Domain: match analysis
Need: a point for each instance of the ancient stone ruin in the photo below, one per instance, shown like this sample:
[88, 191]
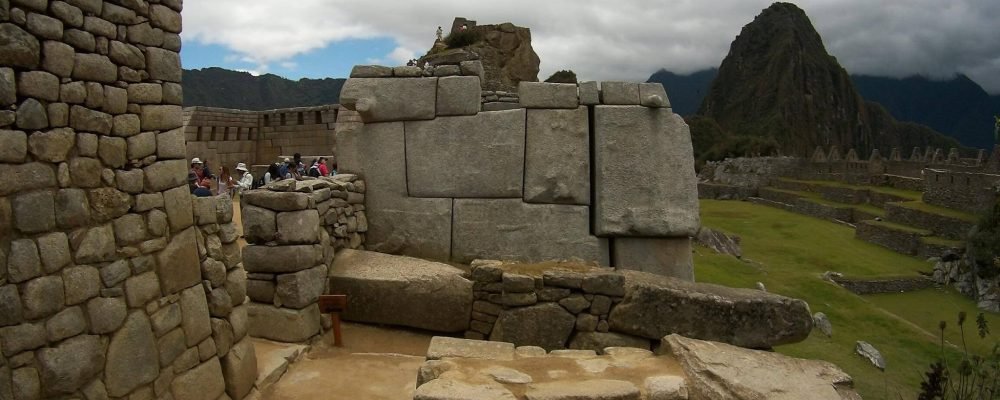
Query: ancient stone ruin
[113, 282]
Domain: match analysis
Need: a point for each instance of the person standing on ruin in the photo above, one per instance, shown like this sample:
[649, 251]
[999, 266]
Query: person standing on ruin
[440, 32]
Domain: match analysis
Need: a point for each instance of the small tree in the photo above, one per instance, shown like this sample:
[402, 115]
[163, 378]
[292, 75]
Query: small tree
[458, 39]
[562, 76]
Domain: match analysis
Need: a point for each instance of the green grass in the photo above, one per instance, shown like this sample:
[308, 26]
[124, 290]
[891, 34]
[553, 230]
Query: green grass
[900, 227]
[789, 252]
[818, 199]
[902, 193]
[932, 209]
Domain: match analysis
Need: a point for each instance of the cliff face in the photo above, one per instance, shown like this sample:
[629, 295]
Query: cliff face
[504, 50]
[778, 85]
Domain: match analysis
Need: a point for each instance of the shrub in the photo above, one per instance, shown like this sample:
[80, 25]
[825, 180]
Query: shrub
[984, 243]
[464, 38]
[974, 376]
[562, 76]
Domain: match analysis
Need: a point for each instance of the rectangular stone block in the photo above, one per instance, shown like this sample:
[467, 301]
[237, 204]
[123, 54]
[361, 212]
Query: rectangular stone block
[589, 93]
[647, 91]
[283, 324]
[557, 157]
[381, 100]
[548, 95]
[458, 95]
[396, 224]
[661, 256]
[644, 178]
[620, 93]
[466, 156]
[509, 229]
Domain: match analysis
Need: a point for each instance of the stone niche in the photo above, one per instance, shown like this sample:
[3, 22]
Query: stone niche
[565, 171]
[114, 281]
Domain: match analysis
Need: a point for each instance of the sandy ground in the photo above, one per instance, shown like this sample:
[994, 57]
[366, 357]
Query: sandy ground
[374, 364]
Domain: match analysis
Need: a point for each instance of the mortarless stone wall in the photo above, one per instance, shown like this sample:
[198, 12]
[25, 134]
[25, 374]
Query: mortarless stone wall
[111, 285]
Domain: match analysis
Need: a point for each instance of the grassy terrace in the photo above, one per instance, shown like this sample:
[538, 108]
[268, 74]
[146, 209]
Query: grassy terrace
[816, 198]
[788, 252]
[906, 194]
[932, 209]
[900, 227]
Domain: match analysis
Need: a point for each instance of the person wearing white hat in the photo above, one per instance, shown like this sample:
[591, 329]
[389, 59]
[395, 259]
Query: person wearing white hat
[245, 178]
[198, 168]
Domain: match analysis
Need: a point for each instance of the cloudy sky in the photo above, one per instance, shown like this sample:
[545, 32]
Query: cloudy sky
[598, 39]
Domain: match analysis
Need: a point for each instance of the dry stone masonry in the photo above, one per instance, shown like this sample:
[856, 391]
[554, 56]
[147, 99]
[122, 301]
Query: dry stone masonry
[573, 171]
[114, 282]
[293, 229]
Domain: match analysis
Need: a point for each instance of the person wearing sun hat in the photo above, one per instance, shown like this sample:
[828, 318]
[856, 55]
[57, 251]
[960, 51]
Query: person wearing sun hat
[245, 178]
[198, 168]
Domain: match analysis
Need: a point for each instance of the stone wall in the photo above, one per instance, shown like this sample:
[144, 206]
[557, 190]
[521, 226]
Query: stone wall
[972, 192]
[110, 287]
[876, 286]
[293, 229]
[570, 173]
[226, 136]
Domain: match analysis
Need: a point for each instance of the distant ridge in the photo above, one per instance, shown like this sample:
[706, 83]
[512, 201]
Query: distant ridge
[218, 87]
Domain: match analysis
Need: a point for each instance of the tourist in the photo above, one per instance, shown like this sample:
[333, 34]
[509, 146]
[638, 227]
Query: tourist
[283, 169]
[245, 181]
[323, 170]
[198, 169]
[300, 168]
[224, 183]
[272, 173]
[440, 32]
[333, 169]
[194, 188]
[314, 169]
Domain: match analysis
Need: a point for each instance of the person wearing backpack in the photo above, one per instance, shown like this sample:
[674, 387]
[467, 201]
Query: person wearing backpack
[314, 169]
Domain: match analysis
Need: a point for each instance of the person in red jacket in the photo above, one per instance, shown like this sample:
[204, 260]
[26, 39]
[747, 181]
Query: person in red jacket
[323, 170]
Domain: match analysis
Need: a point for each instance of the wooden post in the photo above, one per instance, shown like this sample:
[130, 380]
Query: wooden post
[334, 304]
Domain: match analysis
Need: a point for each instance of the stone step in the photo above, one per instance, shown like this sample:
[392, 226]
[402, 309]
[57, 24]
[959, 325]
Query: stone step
[943, 222]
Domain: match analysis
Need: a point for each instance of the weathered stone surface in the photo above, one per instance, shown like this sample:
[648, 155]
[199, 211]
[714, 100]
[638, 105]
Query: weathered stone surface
[38, 84]
[380, 100]
[177, 202]
[458, 95]
[125, 125]
[18, 338]
[283, 324]
[163, 65]
[13, 146]
[82, 283]
[130, 229]
[621, 93]
[544, 325]
[194, 308]
[510, 229]
[177, 265]
[72, 208]
[71, 15]
[108, 203]
[278, 201]
[557, 157]
[204, 382]
[34, 211]
[163, 175]
[132, 356]
[8, 88]
[448, 389]
[85, 119]
[170, 144]
[259, 224]
[663, 200]
[161, 117]
[45, 26]
[656, 306]
[300, 289]
[821, 322]
[595, 389]
[10, 305]
[141, 145]
[54, 251]
[58, 114]
[589, 93]
[141, 289]
[23, 262]
[42, 297]
[653, 95]
[598, 341]
[53, 145]
[870, 353]
[547, 95]
[661, 256]
[169, 20]
[720, 371]
[397, 224]
[279, 259]
[442, 346]
[403, 291]
[71, 364]
[298, 227]
[239, 367]
[31, 114]
[20, 48]
[79, 39]
[371, 71]
[665, 387]
[94, 67]
[106, 314]
[466, 156]
[166, 319]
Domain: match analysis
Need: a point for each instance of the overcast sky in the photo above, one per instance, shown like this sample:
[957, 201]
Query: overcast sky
[598, 39]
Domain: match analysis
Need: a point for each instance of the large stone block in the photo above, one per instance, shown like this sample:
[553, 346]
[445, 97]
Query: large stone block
[298, 227]
[283, 324]
[177, 202]
[510, 229]
[547, 95]
[195, 319]
[71, 364]
[622, 93]
[655, 306]
[557, 157]
[279, 201]
[132, 356]
[177, 265]
[300, 289]
[379, 100]
[396, 224]
[644, 178]
[442, 346]
[545, 325]
[466, 156]
[259, 224]
[239, 367]
[394, 290]
[280, 259]
[661, 256]
[458, 95]
[163, 175]
[204, 382]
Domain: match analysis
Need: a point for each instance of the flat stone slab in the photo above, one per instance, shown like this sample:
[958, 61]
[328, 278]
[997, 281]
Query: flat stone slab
[655, 306]
[597, 389]
[442, 347]
[510, 229]
[466, 156]
[643, 173]
[446, 389]
[405, 291]
[721, 371]
[547, 95]
[381, 99]
[273, 359]
[283, 324]
[557, 157]
[661, 256]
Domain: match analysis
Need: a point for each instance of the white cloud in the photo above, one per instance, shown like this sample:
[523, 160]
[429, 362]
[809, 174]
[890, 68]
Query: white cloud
[627, 39]
[289, 65]
[253, 72]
